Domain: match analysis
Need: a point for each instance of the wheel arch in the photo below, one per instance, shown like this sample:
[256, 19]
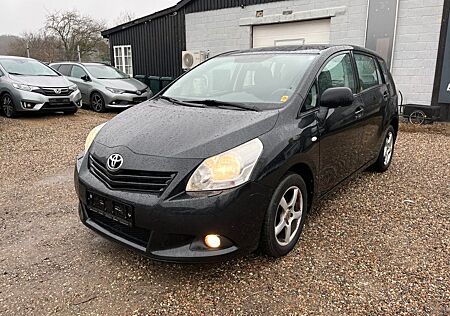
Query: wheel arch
[307, 174]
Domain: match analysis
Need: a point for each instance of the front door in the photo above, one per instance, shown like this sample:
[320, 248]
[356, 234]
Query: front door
[79, 76]
[375, 97]
[339, 127]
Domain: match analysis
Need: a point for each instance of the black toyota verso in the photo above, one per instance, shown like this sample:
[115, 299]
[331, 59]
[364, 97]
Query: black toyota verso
[234, 153]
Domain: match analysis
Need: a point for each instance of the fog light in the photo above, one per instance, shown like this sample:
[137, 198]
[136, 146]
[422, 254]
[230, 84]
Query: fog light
[212, 241]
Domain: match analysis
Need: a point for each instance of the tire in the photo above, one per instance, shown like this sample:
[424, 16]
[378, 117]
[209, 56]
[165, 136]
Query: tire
[417, 117]
[97, 103]
[384, 159]
[71, 112]
[279, 217]
[7, 106]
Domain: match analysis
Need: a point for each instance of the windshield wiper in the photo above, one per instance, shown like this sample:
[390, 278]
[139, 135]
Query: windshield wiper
[15, 74]
[179, 102]
[222, 104]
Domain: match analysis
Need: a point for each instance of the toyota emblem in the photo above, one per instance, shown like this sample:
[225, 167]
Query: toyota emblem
[115, 161]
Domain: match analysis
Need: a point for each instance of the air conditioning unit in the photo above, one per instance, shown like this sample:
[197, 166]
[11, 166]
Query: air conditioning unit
[192, 59]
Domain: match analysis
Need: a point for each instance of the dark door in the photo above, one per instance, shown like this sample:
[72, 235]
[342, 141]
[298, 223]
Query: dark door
[375, 96]
[339, 130]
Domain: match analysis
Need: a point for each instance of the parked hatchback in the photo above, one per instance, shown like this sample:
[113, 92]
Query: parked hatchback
[233, 154]
[27, 85]
[104, 87]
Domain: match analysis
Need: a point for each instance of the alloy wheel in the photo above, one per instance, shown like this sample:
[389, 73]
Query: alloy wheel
[97, 103]
[7, 105]
[289, 216]
[388, 147]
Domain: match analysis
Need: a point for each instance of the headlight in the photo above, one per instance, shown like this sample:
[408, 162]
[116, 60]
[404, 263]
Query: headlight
[73, 87]
[91, 136]
[116, 91]
[227, 170]
[24, 87]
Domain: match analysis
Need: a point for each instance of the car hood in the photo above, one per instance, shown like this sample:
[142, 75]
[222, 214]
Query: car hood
[42, 81]
[158, 128]
[129, 84]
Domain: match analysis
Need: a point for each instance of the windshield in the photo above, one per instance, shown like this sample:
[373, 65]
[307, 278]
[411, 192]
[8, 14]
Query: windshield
[26, 67]
[105, 72]
[264, 78]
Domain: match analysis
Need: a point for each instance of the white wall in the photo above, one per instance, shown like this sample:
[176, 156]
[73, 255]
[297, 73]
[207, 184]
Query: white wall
[415, 50]
[416, 47]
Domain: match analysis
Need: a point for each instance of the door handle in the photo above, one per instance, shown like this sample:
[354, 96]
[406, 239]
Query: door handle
[359, 112]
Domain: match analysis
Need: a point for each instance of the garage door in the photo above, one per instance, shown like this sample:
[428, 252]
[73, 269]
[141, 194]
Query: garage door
[293, 33]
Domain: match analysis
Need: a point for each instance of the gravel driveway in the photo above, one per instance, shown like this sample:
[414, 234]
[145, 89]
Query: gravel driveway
[378, 246]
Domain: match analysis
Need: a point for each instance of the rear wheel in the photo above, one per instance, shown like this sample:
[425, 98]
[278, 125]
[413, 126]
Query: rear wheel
[8, 106]
[97, 102]
[387, 151]
[285, 217]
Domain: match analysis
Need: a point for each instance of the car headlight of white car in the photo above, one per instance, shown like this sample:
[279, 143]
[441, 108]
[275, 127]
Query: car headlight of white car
[73, 87]
[91, 136]
[24, 87]
[227, 170]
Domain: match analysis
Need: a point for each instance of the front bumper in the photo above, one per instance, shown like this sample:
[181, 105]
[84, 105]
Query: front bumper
[124, 100]
[172, 228]
[27, 101]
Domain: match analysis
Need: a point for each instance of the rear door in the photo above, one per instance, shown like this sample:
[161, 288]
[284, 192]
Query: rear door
[339, 128]
[375, 96]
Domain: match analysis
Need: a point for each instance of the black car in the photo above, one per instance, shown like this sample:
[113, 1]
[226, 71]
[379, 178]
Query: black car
[233, 154]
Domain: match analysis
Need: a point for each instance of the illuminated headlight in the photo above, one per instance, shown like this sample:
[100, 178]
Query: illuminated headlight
[115, 91]
[227, 170]
[91, 136]
[24, 87]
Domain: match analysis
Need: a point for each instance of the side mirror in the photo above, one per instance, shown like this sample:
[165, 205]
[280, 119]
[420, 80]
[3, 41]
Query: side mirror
[86, 78]
[337, 97]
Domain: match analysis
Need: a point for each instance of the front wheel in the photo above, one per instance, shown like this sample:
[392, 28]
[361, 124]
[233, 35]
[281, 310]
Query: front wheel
[285, 217]
[387, 151]
[98, 103]
[8, 106]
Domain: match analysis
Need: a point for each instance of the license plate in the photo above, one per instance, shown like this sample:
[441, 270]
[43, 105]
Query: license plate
[60, 101]
[114, 210]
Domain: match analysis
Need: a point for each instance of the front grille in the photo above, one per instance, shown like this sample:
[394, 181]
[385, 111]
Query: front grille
[135, 91]
[52, 92]
[131, 180]
[136, 235]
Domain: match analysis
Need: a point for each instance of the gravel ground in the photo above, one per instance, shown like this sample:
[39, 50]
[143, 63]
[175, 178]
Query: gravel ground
[378, 246]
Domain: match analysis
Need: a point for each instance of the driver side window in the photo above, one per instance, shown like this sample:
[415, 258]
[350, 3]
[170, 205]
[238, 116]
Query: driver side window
[77, 72]
[337, 73]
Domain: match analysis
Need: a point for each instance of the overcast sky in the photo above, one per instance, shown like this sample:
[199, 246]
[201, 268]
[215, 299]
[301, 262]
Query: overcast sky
[19, 16]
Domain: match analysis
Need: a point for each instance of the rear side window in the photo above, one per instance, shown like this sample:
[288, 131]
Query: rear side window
[387, 77]
[338, 72]
[368, 72]
[65, 69]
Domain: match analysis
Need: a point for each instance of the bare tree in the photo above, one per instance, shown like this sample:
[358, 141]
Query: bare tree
[73, 30]
[42, 46]
[124, 17]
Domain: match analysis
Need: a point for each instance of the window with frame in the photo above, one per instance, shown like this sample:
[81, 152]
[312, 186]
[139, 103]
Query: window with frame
[338, 72]
[387, 77]
[368, 72]
[123, 59]
[311, 101]
[65, 69]
[77, 72]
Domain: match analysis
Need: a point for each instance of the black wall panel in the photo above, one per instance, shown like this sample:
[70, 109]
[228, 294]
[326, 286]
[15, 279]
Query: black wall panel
[157, 40]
